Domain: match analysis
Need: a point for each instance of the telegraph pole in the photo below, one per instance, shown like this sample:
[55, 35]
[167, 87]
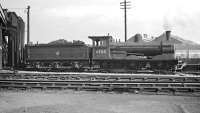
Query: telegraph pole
[28, 24]
[125, 5]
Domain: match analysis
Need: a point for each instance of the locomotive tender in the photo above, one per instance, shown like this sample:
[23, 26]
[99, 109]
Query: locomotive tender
[47, 56]
[102, 56]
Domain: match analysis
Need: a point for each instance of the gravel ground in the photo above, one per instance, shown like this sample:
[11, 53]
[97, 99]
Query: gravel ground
[94, 102]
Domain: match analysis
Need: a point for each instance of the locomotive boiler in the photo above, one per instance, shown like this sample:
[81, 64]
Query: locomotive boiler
[145, 50]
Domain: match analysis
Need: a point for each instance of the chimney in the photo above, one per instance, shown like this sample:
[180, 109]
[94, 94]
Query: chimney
[168, 34]
[137, 38]
[145, 36]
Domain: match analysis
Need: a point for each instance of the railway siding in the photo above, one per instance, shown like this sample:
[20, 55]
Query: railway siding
[128, 83]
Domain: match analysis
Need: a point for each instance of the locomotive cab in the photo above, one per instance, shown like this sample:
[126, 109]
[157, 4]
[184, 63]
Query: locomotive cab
[100, 47]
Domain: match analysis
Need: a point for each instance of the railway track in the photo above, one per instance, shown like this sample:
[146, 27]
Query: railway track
[103, 85]
[100, 77]
[99, 81]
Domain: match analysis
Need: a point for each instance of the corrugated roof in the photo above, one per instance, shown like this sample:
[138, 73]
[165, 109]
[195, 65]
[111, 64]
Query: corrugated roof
[187, 47]
[173, 40]
[2, 15]
[162, 38]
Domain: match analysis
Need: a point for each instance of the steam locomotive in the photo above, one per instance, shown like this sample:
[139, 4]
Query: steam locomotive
[102, 56]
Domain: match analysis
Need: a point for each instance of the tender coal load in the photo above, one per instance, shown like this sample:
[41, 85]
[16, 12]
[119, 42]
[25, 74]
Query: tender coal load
[59, 41]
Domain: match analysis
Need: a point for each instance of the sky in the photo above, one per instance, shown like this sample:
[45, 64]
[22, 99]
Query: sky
[77, 19]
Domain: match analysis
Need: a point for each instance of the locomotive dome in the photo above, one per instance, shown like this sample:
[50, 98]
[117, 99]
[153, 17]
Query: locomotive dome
[137, 38]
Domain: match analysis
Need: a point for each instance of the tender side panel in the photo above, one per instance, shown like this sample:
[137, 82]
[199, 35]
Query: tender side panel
[58, 53]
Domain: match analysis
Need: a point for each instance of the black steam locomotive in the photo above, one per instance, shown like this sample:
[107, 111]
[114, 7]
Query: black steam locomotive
[102, 56]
